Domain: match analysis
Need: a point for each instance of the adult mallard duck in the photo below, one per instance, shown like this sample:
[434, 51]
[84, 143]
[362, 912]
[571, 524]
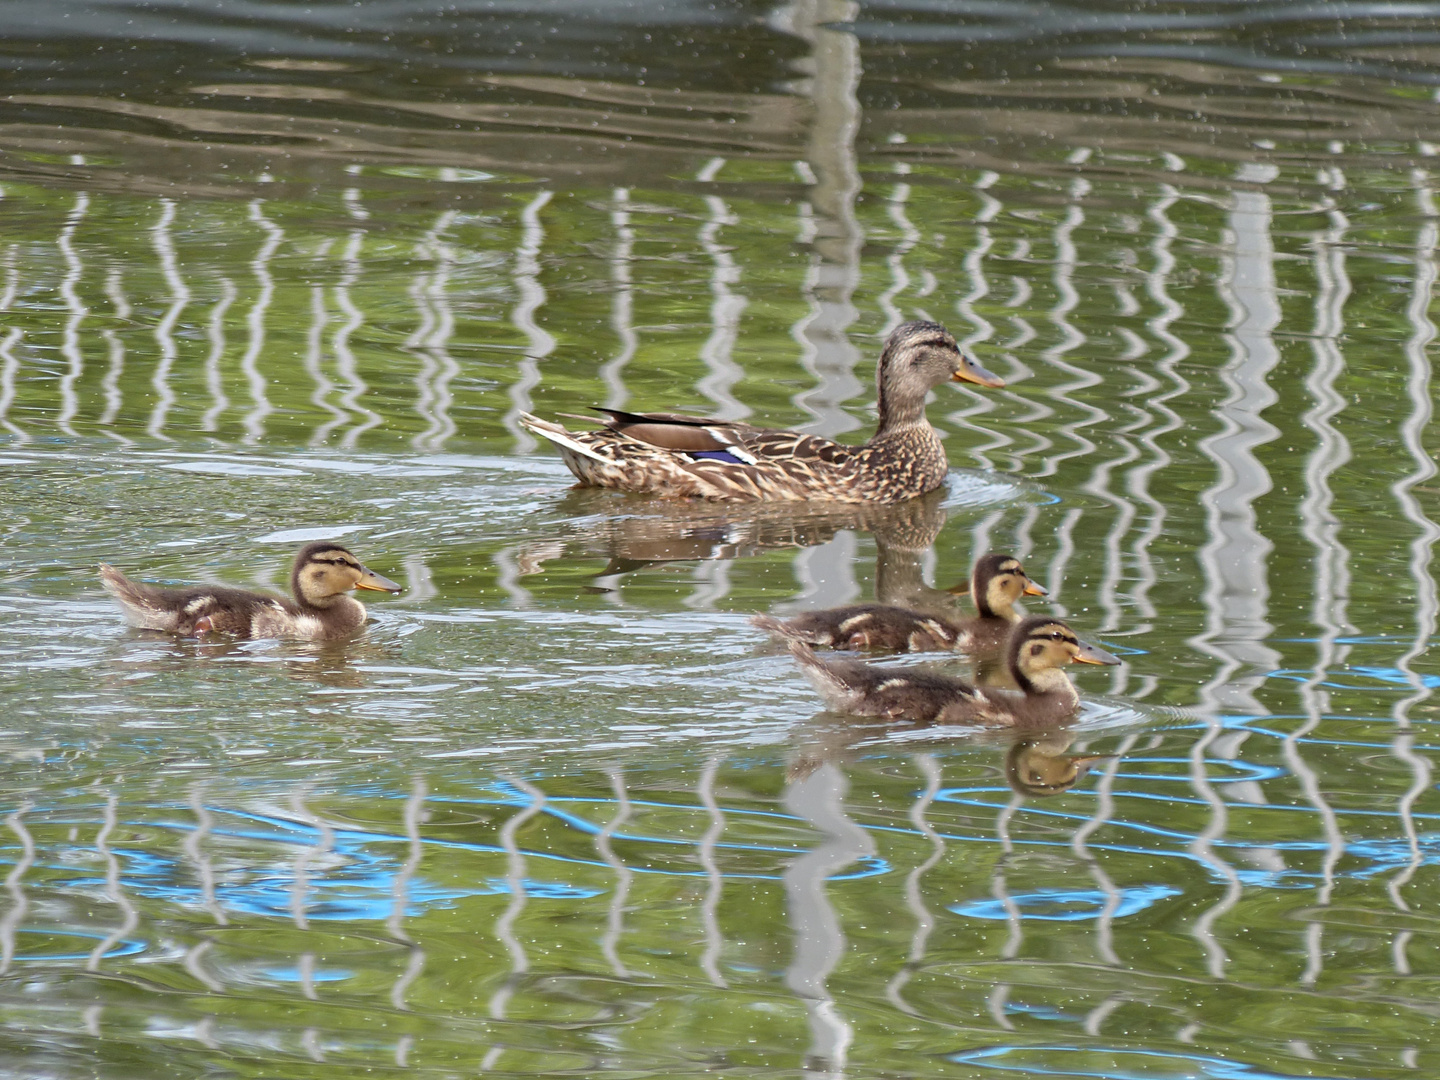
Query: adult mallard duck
[995, 584]
[1038, 651]
[323, 574]
[698, 457]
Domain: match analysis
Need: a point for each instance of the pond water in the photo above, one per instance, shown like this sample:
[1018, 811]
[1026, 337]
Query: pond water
[277, 272]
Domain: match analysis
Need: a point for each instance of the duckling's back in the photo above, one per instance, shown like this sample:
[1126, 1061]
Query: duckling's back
[191, 610]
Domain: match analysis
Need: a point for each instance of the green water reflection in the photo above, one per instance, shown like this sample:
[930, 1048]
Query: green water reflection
[561, 810]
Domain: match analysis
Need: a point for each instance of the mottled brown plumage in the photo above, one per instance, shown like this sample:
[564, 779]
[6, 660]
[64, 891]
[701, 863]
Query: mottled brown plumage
[1038, 652]
[699, 457]
[322, 576]
[995, 584]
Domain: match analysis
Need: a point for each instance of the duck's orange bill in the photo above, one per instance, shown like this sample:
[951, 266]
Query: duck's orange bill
[970, 371]
[1033, 588]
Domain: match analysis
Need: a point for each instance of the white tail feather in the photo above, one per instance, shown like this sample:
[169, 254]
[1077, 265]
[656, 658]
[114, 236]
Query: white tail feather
[559, 436]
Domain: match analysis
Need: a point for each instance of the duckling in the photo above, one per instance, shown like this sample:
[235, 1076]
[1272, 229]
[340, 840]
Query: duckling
[1038, 650]
[321, 611]
[995, 584]
[700, 457]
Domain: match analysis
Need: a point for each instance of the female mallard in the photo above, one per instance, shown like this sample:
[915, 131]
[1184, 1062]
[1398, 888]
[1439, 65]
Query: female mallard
[321, 611]
[995, 584]
[1038, 651]
[692, 456]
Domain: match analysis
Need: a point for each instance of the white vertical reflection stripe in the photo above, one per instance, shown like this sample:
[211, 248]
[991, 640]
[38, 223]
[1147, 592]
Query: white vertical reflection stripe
[615, 917]
[345, 360]
[129, 917]
[110, 383]
[9, 368]
[909, 237]
[1331, 579]
[431, 338]
[819, 799]
[530, 297]
[313, 360]
[505, 925]
[75, 314]
[929, 768]
[1157, 405]
[622, 300]
[400, 894]
[214, 377]
[260, 408]
[1234, 559]
[19, 904]
[726, 307]
[1412, 430]
[164, 245]
[981, 439]
[715, 880]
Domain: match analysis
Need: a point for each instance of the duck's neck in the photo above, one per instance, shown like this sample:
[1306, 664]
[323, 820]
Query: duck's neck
[979, 593]
[899, 406]
[1050, 682]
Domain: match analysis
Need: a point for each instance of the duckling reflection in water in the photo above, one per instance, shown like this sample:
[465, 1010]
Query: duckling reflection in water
[322, 576]
[996, 583]
[1039, 766]
[1038, 651]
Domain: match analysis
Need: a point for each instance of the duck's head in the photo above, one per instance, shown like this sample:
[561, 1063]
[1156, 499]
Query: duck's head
[919, 356]
[324, 570]
[1041, 648]
[996, 583]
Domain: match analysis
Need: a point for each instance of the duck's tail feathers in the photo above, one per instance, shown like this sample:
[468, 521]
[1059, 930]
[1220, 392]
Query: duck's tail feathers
[779, 628]
[136, 601]
[559, 435]
[829, 682]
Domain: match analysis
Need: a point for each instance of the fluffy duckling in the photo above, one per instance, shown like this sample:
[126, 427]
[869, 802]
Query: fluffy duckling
[323, 574]
[701, 457]
[1038, 651]
[995, 584]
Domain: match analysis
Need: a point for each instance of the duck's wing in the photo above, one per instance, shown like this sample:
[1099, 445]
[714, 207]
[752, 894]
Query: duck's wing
[746, 443]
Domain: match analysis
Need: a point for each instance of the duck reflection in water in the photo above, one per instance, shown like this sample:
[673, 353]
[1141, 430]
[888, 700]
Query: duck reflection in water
[1038, 765]
[1035, 764]
[633, 533]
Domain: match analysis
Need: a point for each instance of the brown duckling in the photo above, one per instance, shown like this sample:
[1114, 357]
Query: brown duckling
[702, 457]
[995, 584]
[324, 572]
[1037, 654]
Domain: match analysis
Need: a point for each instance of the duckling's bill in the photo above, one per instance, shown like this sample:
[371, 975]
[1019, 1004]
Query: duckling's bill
[970, 371]
[1092, 654]
[1034, 589]
[375, 583]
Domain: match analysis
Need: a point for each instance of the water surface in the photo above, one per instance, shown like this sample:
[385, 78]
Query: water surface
[275, 272]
